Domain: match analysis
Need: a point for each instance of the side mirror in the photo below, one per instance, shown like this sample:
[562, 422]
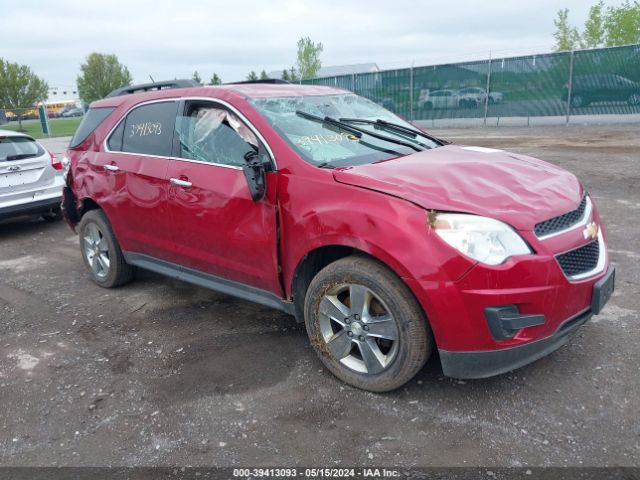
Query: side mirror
[254, 172]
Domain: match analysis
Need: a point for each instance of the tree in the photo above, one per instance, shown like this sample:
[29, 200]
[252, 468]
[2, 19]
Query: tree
[308, 58]
[617, 25]
[567, 37]
[252, 76]
[215, 80]
[285, 74]
[196, 77]
[263, 75]
[100, 75]
[622, 24]
[593, 35]
[20, 87]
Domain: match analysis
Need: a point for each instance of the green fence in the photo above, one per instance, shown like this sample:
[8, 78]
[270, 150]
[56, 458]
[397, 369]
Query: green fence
[582, 82]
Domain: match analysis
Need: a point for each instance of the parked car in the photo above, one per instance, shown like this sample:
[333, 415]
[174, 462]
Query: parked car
[31, 178]
[61, 113]
[603, 87]
[72, 112]
[475, 96]
[439, 99]
[384, 240]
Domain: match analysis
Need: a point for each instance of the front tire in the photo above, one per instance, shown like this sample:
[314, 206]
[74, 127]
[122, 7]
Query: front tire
[101, 252]
[365, 325]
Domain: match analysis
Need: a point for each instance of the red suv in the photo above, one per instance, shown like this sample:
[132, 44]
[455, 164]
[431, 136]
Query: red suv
[384, 240]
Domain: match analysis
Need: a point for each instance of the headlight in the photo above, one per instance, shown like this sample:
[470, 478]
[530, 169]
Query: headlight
[483, 239]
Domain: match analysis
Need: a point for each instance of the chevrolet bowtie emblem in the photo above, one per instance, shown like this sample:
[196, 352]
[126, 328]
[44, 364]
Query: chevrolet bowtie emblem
[591, 230]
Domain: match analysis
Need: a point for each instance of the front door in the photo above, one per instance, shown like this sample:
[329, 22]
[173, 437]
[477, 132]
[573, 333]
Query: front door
[218, 228]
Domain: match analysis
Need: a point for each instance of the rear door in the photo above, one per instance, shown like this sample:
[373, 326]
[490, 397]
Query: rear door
[133, 170]
[218, 228]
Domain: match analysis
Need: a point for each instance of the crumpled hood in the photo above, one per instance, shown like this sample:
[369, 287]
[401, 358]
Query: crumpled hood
[516, 189]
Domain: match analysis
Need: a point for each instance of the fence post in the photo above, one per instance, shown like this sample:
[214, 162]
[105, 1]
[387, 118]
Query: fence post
[353, 82]
[411, 92]
[488, 89]
[569, 87]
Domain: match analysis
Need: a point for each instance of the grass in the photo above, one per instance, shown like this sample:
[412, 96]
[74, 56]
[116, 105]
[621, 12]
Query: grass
[60, 127]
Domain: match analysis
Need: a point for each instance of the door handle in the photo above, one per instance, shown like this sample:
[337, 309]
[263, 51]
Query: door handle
[180, 183]
[111, 168]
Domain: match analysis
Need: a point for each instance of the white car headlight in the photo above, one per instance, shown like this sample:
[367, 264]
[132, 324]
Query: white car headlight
[483, 239]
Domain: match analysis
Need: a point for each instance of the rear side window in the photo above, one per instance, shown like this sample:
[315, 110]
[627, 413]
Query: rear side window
[149, 129]
[18, 148]
[115, 140]
[93, 118]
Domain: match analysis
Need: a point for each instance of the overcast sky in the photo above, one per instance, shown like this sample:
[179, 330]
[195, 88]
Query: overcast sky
[168, 39]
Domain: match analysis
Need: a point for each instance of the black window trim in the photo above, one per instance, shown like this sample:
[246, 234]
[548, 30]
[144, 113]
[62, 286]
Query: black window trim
[224, 103]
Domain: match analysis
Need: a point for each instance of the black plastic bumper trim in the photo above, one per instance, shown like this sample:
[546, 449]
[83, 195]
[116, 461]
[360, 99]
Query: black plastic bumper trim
[602, 290]
[505, 321]
[487, 363]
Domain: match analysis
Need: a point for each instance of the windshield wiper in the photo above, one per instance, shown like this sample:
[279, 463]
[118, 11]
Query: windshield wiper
[357, 131]
[331, 121]
[379, 123]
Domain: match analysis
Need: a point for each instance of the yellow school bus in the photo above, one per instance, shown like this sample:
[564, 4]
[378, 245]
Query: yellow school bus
[55, 107]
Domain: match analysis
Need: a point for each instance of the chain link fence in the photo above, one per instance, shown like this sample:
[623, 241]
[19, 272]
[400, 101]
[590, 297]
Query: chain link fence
[565, 84]
[9, 115]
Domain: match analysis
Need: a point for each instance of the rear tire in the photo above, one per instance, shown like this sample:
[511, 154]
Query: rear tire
[101, 252]
[365, 325]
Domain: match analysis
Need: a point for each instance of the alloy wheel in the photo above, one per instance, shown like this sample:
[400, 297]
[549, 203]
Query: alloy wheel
[358, 328]
[96, 250]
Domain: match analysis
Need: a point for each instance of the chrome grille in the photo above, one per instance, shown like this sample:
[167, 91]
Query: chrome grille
[561, 222]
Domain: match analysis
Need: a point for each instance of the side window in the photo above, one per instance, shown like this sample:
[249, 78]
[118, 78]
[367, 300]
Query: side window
[149, 129]
[212, 134]
[115, 140]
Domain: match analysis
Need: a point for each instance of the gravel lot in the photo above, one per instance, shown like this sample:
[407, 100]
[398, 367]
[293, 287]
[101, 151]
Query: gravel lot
[160, 372]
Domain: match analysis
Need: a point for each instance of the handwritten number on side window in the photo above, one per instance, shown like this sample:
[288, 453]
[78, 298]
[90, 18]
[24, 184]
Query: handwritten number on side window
[145, 129]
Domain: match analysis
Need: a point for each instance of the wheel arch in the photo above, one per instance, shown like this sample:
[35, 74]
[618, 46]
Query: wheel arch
[86, 204]
[319, 257]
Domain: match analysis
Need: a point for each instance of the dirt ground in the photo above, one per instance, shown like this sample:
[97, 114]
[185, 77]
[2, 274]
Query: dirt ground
[160, 372]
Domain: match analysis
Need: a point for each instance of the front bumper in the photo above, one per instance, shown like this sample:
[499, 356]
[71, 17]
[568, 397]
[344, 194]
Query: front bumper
[486, 363]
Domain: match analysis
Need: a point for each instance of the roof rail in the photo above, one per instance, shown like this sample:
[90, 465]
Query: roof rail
[264, 80]
[145, 87]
